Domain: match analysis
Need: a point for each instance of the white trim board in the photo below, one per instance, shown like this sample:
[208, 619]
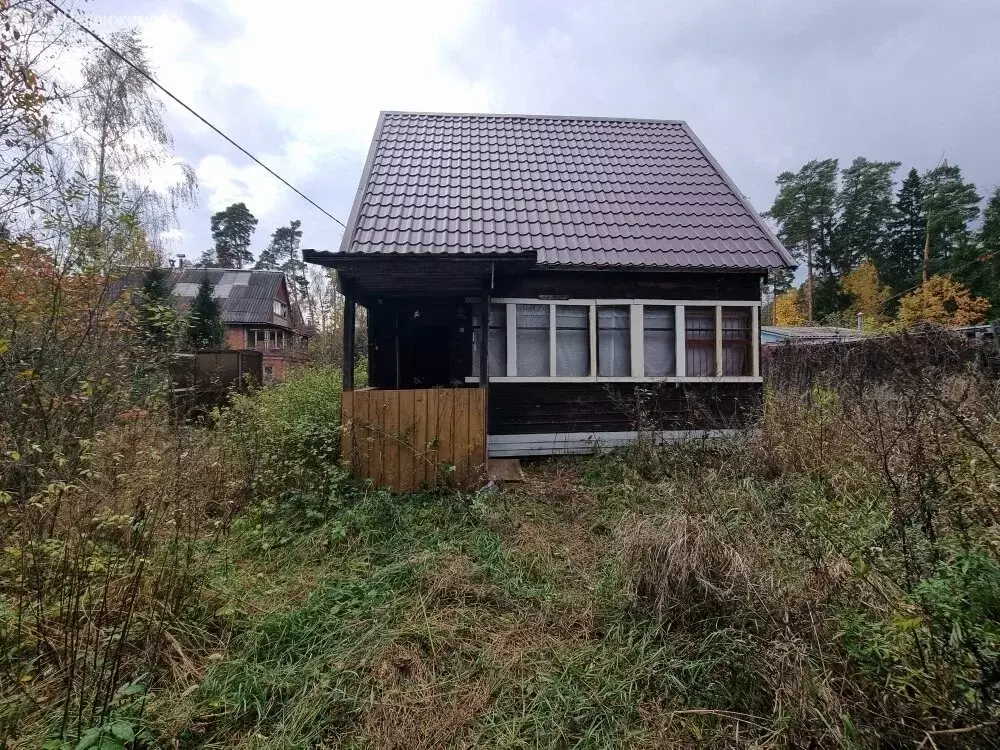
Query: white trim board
[577, 443]
[602, 302]
[474, 379]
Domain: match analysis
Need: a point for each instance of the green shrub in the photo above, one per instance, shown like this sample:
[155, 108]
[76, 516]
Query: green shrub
[289, 439]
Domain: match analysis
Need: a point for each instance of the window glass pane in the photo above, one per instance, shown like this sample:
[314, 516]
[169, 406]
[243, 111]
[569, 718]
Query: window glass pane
[699, 324]
[532, 340]
[736, 351]
[572, 340]
[613, 355]
[658, 350]
[498, 341]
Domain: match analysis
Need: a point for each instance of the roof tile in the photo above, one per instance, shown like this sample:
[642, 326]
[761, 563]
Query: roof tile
[578, 191]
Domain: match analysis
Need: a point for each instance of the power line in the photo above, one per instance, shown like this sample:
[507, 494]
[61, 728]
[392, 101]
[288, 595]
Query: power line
[158, 85]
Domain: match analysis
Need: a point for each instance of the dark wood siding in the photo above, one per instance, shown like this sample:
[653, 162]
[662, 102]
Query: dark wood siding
[532, 408]
[630, 285]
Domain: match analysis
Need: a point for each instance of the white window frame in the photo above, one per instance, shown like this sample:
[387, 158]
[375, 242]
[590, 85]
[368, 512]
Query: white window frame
[636, 341]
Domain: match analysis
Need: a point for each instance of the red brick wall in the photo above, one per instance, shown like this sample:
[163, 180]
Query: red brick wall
[236, 337]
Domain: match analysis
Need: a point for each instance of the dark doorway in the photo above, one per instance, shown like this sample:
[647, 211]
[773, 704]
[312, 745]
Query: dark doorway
[423, 355]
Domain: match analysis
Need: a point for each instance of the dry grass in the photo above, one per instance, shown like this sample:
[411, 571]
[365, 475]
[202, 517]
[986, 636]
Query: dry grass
[680, 566]
[415, 708]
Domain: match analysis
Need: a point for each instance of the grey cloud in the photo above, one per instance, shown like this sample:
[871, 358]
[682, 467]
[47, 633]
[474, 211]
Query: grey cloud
[768, 85]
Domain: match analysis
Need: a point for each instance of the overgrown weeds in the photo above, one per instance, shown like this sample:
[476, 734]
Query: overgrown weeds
[829, 580]
[105, 569]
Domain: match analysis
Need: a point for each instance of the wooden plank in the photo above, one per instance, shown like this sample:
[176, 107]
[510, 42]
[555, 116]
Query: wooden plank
[390, 430]
[373, 464]
[477, 434]
[405, 446]
[446, 432]
[420, 437]
[365, 434]
[461, 437]
[347, 429]
[433, 458]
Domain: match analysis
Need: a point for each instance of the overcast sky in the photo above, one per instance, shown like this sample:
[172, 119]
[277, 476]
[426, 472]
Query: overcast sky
[767, 85]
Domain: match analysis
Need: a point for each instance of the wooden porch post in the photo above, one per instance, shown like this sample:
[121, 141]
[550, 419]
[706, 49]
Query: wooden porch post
[349, 308]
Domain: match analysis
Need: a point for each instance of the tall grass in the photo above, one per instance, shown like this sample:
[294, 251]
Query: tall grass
[105, 573]
[829, 580]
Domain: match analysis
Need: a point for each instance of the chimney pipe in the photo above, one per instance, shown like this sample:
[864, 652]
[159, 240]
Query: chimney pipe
[861, 321]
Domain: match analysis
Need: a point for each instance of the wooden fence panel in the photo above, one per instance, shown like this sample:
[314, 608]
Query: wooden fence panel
[408, 439]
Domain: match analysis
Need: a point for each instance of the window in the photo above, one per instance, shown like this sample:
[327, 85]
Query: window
[590, 340]
[498, 341]
[659, 349]
[699, 327]
[614, 355]
[572, 340]
[533, 340]
[279, 308]
[736, 351]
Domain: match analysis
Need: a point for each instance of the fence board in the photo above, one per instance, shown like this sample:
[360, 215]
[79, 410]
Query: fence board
[406, 445]
[403, 439]
[434, 440]
[420, 437]
[461, 438]
[389, 403]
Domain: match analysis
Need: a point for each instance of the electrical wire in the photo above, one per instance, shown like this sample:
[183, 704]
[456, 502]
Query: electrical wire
[166, 91]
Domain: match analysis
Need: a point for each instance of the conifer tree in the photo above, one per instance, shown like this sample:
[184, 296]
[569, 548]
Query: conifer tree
[232, 230]
[899, 262]
[205, 329]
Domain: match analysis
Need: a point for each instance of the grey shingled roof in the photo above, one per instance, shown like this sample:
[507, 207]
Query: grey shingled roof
[245, 297]
[570, 191]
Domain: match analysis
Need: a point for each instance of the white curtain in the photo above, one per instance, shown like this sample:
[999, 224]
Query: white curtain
[700, 331]
[572, 340]
[658, 347]
[614, 357]
[533, 340]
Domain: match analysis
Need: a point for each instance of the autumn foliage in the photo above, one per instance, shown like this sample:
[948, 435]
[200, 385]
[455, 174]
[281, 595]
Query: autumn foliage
[944, 301]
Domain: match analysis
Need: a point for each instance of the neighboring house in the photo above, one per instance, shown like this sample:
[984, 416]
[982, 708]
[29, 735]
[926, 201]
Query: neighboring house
[255, 307]
[257, 311]
[617, 261]
[808, 334]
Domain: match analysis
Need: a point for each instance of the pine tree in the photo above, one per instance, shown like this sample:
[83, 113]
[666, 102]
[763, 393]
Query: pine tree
[950, 204]
[899, 262]
[208, 259]
[804, 211]
[157, 318]
[865, 206]
[232, 230]
[978, 262]
[205, 329]
[282, 254]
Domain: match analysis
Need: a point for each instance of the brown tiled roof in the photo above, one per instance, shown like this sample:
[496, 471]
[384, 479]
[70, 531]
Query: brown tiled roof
[570, 191]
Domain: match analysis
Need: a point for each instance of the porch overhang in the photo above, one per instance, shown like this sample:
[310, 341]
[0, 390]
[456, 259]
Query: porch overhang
[418, 275]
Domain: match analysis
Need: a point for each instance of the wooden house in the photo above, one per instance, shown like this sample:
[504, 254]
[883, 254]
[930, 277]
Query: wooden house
[586, 277]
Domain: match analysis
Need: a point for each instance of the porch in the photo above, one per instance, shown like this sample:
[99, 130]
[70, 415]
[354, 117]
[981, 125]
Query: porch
[417, 422]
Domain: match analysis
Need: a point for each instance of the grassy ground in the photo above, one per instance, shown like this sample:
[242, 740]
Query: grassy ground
[429, 621]
[830, 580]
